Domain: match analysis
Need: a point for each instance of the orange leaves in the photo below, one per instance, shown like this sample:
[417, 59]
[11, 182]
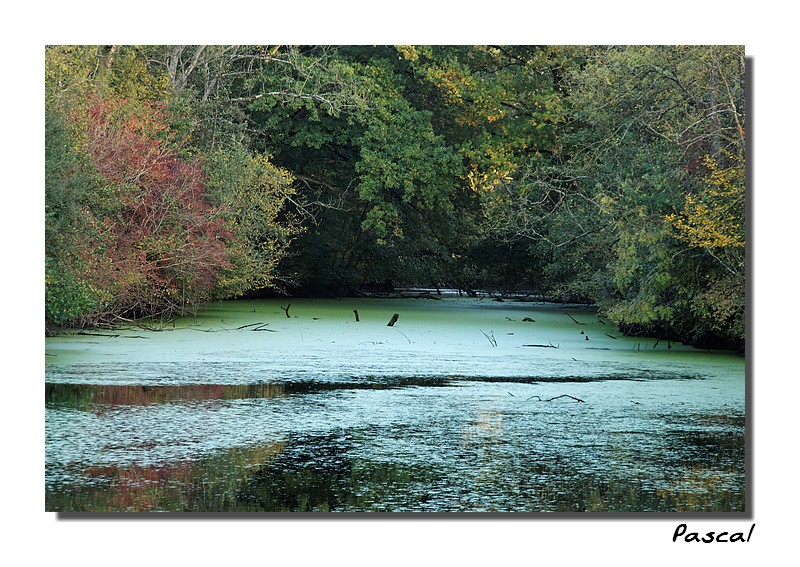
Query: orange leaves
[475, 99]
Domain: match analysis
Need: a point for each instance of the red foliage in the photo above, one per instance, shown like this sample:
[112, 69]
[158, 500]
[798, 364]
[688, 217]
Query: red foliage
[141, 489]
[159, 242]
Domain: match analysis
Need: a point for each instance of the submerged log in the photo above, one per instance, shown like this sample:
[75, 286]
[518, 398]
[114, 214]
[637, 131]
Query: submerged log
[95, 334]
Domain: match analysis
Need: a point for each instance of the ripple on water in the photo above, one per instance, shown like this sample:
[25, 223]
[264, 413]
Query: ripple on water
[454, 445]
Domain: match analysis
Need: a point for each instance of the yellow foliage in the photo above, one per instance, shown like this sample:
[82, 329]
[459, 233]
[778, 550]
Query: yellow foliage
[408, 52]
[714, 219]
[482, 182]
[76, 68]
[66, 66]
[133, 79]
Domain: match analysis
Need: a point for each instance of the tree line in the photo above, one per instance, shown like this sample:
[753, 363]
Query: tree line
[609, 174]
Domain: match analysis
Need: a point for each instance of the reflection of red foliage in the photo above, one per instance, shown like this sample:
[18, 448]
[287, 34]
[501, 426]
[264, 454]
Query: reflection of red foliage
[142, 489]
[140, 395]
[159, 242]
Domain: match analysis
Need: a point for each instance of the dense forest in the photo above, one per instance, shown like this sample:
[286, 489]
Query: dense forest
[615, 175]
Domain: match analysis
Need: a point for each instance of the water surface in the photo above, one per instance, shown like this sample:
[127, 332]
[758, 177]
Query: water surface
[462, 405]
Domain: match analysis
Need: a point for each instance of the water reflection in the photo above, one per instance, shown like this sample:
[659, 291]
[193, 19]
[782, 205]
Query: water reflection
[210, 484]
[87, 396]
[319, 474]
[325, 414]
[417, 446]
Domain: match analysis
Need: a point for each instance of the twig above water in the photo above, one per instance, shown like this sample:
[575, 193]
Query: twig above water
[490, 337]
[557, 397]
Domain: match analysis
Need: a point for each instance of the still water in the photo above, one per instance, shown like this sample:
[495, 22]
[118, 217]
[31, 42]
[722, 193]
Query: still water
[462, 405]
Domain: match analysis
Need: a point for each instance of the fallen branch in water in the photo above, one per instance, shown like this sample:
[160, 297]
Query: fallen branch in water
[393, 320]
[573, 318]
[250, 325]
[550, 345]
[286, 310]
[95, 334]
[490, 337]
[557, 397]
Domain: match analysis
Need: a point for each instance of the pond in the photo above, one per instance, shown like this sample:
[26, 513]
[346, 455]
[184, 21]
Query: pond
[318, 405]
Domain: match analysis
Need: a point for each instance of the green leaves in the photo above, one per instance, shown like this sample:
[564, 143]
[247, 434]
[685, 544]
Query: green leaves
[403, 164]
[645, 120]
[610, 174]
[253, 193]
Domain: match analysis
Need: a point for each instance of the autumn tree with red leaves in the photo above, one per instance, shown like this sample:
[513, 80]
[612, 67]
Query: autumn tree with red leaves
[143, 218]
[155, 241]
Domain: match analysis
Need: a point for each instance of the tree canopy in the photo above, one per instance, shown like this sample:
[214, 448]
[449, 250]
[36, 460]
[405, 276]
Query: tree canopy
[606, 174]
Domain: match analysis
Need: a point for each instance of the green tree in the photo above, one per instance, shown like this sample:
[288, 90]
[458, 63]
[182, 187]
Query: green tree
[646, 120]
[377, 184]
[252, 193]
[66, 181]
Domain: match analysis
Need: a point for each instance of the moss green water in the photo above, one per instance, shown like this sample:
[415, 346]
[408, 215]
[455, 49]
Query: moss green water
[461, 405]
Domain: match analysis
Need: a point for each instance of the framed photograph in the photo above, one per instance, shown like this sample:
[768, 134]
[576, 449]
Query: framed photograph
[495, 280]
